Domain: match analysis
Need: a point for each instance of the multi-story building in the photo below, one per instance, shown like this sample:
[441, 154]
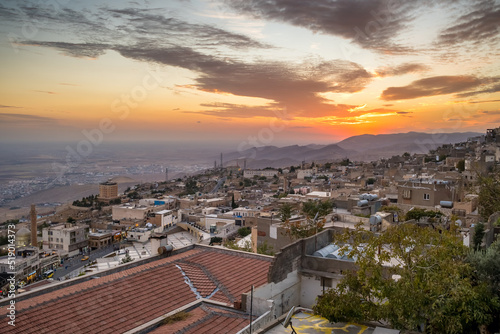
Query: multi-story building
[28, 264]
[425, 192]
[100, 239]
[131, 212]
[66, 239]
[108, 190]
[249, 173]
[163, 218]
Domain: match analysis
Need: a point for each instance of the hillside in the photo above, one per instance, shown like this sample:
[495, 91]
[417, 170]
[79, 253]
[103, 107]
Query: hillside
[364, 147]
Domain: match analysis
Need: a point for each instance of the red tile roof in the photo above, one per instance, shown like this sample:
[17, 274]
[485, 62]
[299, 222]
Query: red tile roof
[125, 300]
[207, 319]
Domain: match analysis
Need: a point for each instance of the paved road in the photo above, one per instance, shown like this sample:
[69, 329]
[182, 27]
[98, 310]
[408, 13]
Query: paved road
[76, 262]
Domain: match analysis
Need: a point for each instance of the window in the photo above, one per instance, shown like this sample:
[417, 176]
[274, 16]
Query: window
[326, 282]
[406, 193]
[427, 197]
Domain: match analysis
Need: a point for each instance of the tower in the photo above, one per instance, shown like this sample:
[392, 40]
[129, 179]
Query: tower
[221, 161]
[166, 174]
[34, 241]
[245, 164]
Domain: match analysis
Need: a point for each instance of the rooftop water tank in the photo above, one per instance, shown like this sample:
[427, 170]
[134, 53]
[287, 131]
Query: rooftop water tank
[363, 202]
[375, 220]
[446, 204]
[323, 252]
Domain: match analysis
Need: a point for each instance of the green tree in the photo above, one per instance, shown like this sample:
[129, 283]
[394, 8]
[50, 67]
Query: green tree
[429, 283]
[314, 212]
[486, 266]
[126, 259]
[345, 162]
[489, 188]
[310, 208]
[233, 203]
[461, 166]
[285, 212]
[71, 220]
[265, 249]
[418, 213]
[244, 231]
[191, 186]
[477, 240]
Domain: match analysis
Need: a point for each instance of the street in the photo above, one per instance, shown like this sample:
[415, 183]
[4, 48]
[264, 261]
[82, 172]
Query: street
[76, 262]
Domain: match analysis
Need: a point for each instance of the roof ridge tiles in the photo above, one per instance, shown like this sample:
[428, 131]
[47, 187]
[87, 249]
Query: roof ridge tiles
[195, 324]
[216, 281]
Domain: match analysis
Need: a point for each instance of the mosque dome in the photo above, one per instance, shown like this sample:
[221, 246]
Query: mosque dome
[23, 237]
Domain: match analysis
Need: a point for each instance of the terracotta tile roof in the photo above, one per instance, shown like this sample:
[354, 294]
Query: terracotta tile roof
[122, 301]
[236, 273]
[207, 319]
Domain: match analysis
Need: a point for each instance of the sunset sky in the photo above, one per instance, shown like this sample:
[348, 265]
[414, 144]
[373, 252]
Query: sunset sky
[278, 71]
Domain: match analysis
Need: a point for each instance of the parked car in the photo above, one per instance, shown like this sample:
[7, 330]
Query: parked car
[85, 258]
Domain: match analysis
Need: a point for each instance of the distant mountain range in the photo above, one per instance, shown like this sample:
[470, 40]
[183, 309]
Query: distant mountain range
[361, 148]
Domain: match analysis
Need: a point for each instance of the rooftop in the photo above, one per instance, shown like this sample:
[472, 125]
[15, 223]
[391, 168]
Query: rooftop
[206, 318]
[122, 301]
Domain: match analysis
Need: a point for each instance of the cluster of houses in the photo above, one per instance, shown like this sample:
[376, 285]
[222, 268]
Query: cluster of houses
[370, 193]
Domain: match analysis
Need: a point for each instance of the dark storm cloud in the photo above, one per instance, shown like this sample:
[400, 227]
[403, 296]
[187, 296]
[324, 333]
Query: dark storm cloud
[477, 26]
[439, 85]
[371, 24]
[401, 69]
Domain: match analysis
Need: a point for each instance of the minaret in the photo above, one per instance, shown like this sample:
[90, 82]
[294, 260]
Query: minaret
[34, 241]
[166, 174]
[221, 165]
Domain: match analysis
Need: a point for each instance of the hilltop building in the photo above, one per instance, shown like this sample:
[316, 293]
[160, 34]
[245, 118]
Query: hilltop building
[108, 190]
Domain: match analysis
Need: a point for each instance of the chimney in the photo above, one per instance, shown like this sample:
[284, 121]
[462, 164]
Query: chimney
[34, 241]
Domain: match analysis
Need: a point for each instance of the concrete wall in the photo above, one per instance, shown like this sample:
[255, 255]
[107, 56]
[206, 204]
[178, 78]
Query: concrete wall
[285, 262]
[284, 295]
[346, 218]
[326, 265]
[311, 288]
[277, 239]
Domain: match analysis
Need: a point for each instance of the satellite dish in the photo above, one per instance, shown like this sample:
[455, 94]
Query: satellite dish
[289, 317]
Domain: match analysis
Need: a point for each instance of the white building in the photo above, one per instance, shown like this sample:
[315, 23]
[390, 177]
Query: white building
[163, 219]
[249, 173]
[242, 212]
[70, 240]
[131, 212]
